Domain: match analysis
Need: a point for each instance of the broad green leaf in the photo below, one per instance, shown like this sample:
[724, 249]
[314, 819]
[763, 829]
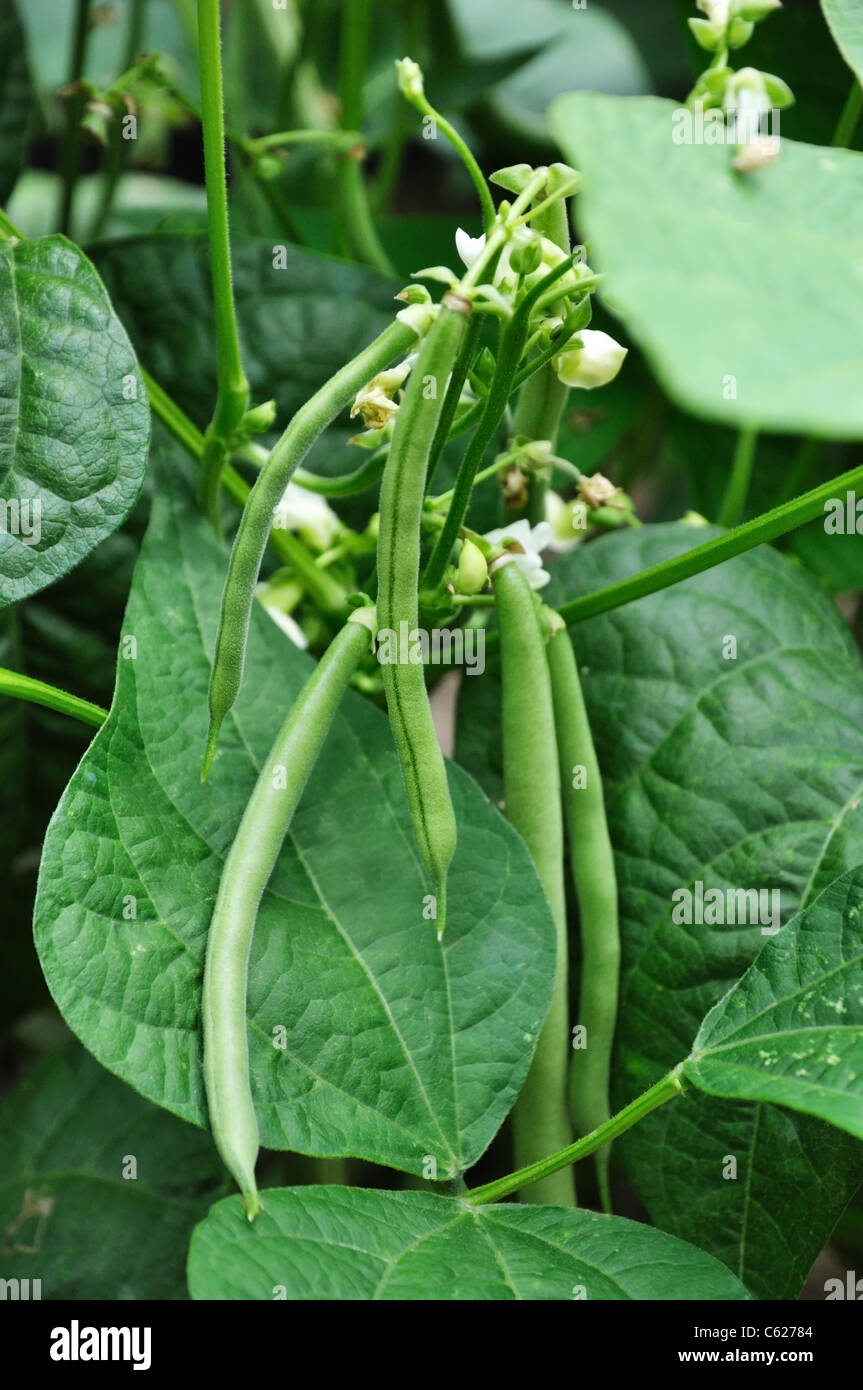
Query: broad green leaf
[743, 772]
[75, 422]
[729, 348]
[845, 18]
[336, 1243]
[791, 1031]
[76, 1145]
[16, 98]
[395, 1048]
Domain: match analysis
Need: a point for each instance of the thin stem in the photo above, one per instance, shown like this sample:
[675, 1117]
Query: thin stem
[849, 118]
[737, 490]
[670, 1086]
[420, 101]
[233, 389]
[71, 153]
[21, 687]
[359, 227]
[335, 139]
[787, 517]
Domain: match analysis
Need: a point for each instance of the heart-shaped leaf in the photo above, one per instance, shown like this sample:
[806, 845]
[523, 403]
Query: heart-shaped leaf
[337, 1243]
[792, 1030]
[75, 1142]
[75, 424]
[367, 1036]
[750, 249]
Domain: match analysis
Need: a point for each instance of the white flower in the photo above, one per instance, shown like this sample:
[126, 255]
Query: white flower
[468, 247]
[757, 154]
[308, 513]
[375, 401]
[568, 521]
[717, 11]
[532, 542]
[595, 363]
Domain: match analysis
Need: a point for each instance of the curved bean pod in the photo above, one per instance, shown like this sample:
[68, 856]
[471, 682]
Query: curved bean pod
[251, 539]
[247, 870]
[401, 503]
[596, 891]
[540, 1119]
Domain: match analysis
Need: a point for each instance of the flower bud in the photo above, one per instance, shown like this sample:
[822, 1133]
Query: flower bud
[260, 418]
[472, 572]
[410, 78]
[594, 361]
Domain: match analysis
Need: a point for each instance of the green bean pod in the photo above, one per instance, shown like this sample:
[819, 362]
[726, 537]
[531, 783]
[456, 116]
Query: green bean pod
[593, 873]
[401, 503]
[540, 1119]
[251, 539]
[246, 873]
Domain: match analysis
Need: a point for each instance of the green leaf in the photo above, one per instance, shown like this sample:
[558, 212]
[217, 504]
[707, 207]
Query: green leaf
[845, 18]
[791, 1031]
[68, 1135]
[396, 1048]
[16, 99]
[739, 244]
[75, 424]
[337, 1243]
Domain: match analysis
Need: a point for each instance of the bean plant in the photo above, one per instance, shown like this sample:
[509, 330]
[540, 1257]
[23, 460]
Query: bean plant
[375, 390]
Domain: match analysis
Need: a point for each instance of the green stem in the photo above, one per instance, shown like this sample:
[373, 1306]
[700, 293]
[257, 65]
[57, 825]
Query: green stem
[787, 517]
[420, 101]
[593, 873]
[71, 153]
[358, 225]
[543, 397]
[233, 388]
[737, 490]
[13, 684]
[666, 1089]
[540, 1119]
[849, 118]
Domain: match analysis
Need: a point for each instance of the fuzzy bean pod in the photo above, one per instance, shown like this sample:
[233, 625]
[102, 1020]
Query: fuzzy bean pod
[593, 873]
[401, 503]
[245, 876]
[540, 1119]
[251, 539]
